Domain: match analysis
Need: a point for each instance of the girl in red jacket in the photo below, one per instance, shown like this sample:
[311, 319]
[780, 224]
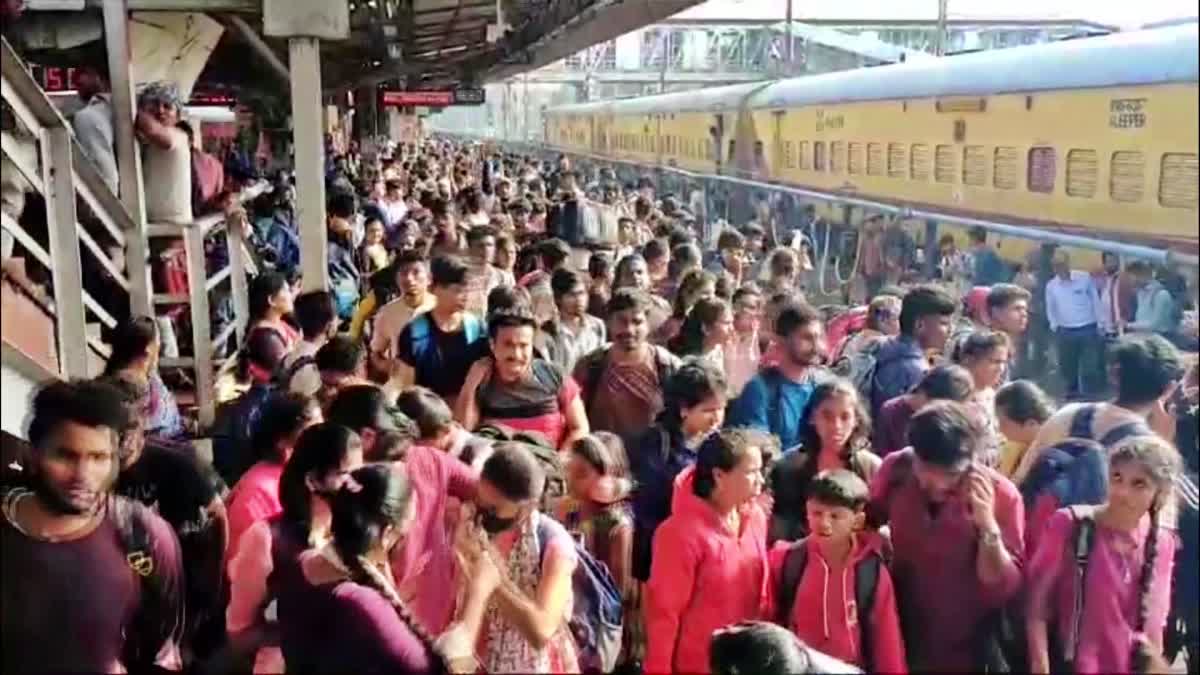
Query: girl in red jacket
[709, 567]
[815, 582]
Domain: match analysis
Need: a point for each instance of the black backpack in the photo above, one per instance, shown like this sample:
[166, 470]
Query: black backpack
[866, 583]
[543, 451]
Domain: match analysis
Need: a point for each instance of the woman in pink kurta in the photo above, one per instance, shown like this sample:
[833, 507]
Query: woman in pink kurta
[1126, 589]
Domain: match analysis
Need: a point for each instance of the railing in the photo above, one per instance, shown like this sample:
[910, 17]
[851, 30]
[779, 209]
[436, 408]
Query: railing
[62, 173]
[1044, 236]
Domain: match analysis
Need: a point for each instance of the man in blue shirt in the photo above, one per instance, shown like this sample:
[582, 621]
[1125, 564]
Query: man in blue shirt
[776, 399]
[926, 316]
[989, 269]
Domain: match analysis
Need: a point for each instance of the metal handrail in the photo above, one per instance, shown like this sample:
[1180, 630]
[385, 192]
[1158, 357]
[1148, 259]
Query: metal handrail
[1155, 255]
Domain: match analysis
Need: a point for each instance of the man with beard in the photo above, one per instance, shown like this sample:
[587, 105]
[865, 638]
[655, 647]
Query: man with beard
[622, 383]
[957, 537]
[776, 399]
[515, 390]
[93, 581]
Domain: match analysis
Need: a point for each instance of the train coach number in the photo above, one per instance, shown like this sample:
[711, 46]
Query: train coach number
[1127, 113]
[829, 121]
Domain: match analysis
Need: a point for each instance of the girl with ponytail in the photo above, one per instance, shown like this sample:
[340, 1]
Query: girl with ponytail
[350, 615]
[1107, 595]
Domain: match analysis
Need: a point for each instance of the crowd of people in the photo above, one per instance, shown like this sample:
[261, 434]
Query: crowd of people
[490, 445]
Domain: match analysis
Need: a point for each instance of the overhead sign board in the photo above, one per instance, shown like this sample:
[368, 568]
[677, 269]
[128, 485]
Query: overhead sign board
[434, 98]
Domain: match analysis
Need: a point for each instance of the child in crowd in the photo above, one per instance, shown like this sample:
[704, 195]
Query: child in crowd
[833, 588]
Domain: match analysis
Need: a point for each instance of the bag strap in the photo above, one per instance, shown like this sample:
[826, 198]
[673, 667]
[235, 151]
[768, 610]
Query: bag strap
[285, 378]
[794, 563]
[1082, 422]
[1123, 431]
[1081, 546]
[866, 583]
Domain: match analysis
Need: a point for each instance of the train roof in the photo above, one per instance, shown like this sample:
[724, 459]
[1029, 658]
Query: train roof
[1132, 58]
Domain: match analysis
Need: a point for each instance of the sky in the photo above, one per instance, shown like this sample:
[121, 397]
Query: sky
[1124, 14]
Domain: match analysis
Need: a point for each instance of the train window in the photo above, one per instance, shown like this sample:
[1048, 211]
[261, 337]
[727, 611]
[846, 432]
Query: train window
[805, 156]
[875, 159]
[974, 165]
[732, 150]
[1043, 163]
[789, 155]
[837, 157]
[897, 160]
[919, 161]
[945, 164]
[819, 156]
[855, 161]
[1177, 186]
[1004, 168]
[1082, 167]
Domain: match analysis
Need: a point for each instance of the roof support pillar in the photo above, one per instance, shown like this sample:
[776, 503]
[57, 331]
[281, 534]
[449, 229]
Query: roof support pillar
[129, 158]
[308, 142]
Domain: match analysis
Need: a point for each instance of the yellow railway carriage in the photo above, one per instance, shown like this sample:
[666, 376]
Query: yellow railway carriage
[1094, 136]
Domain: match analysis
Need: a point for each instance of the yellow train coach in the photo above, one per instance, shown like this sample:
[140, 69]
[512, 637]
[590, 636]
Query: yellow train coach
[1094, 136]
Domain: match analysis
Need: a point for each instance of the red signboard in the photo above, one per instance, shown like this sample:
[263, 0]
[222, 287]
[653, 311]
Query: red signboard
[415, 98]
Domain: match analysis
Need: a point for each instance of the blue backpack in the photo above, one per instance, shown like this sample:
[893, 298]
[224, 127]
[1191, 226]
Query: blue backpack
[1075, 471]
[426, 356]
[597, 609]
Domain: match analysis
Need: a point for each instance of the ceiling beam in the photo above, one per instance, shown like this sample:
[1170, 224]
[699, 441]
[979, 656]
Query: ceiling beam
[217, 6]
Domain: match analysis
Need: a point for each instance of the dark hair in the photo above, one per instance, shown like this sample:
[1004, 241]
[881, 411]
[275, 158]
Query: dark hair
[283, 415]
[516, 317]
[366, 406]
[882, 308]
[380, 498]
[730, 239]
[315, 311]
[694, 382]
[945, 433]
[130, 340]
[1146, 366]
[406, 257]
[341, 204]
[505, 298]
[704, 313]
[1003, 295]
[514, 471]
[628, 298]
[838, 487]
[88, 403]
[979, 344]
[946, 382]
[684, 257]
[1022, 401]
[690, 287]
[479, 233]
[977, 234]
[654, 249]
[321, 449]
[746, 290]
[758, 647]
[923, 301]
[793, 315]
[553, 252]
[859, 438]
[563, 281]
[426, 409]
[447, 270]
[752, 231]
[605, 452]
[722, 450]
[264, 287]
[1139, 268]
[599, 266]
[342, 354]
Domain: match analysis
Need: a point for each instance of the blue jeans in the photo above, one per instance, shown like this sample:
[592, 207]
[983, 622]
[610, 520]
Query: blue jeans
[1081, 361]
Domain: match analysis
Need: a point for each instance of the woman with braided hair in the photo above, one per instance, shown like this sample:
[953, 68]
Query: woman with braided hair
[1101, 575]
[350, 615]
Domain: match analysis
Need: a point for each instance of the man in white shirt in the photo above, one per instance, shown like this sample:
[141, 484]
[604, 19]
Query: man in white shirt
[393, 203]
[412, 279]
[94, 123]
[1073, 309]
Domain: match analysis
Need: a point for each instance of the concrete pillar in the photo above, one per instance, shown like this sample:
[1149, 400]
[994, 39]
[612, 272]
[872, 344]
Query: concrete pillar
[308, 139]
[129, 158]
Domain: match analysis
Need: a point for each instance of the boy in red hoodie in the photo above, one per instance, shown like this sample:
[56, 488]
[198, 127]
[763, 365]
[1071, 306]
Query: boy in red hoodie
[819, 584]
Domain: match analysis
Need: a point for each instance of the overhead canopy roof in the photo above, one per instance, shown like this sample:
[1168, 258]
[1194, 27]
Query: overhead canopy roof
[427, 43]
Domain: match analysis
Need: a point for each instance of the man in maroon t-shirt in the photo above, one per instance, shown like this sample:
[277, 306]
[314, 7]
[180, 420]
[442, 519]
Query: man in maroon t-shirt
[957, 535]
[94, 582]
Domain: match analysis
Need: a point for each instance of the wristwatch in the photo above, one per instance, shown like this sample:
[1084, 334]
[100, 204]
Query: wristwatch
[989, 537]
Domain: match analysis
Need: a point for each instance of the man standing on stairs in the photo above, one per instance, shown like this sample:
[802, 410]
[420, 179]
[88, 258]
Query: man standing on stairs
[94, 581]
[94, 122]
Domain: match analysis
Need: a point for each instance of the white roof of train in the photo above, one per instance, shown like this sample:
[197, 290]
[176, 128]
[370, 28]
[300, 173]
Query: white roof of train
[1133, 58]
